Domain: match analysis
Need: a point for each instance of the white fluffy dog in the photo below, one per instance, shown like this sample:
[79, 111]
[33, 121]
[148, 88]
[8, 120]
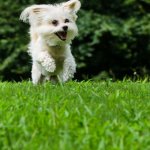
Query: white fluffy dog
[52, 28]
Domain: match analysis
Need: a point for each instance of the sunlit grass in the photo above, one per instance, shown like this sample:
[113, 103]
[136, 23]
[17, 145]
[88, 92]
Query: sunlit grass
[75, 116]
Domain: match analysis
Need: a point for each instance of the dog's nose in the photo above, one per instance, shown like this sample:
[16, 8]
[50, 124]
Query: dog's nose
[65, 28]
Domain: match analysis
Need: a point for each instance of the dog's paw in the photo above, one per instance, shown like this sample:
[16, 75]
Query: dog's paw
[48, 64]
[67, 76]
[50, 67]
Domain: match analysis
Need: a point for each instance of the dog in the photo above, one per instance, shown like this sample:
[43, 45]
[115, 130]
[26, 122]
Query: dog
[52, 29]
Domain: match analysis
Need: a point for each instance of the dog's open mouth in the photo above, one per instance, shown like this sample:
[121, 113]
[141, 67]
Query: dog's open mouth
[62, 35]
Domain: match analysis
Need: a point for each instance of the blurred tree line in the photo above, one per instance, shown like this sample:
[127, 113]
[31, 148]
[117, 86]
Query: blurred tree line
[113, 41]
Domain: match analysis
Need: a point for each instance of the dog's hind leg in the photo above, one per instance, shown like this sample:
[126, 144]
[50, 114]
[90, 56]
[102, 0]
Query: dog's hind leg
[37, 77]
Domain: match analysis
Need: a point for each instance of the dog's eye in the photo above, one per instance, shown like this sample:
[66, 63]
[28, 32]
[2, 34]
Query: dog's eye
[55, 22]
[67, 20]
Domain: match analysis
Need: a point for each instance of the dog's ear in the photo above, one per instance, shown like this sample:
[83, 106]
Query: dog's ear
[32, 11]
[72, 6]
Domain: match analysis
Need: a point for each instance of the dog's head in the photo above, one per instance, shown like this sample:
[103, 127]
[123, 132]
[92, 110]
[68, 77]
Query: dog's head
[55, 23]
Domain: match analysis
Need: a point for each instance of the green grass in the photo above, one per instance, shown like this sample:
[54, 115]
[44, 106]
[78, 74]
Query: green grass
[75, 116]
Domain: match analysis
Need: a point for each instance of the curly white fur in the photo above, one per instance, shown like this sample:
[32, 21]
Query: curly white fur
[52, 28]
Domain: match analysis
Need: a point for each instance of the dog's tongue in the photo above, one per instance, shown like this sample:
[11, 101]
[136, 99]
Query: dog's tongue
[62, 35]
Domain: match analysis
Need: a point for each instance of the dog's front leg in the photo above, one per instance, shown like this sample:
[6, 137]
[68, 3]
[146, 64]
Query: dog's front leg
[47, 62]
[69, 68]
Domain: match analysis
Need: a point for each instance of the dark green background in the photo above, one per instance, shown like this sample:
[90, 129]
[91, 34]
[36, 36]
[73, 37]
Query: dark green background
[113, 41]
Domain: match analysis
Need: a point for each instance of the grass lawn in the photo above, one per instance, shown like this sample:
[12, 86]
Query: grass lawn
[75, 116]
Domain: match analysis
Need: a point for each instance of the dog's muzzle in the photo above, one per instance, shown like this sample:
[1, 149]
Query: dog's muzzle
[62, 34]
